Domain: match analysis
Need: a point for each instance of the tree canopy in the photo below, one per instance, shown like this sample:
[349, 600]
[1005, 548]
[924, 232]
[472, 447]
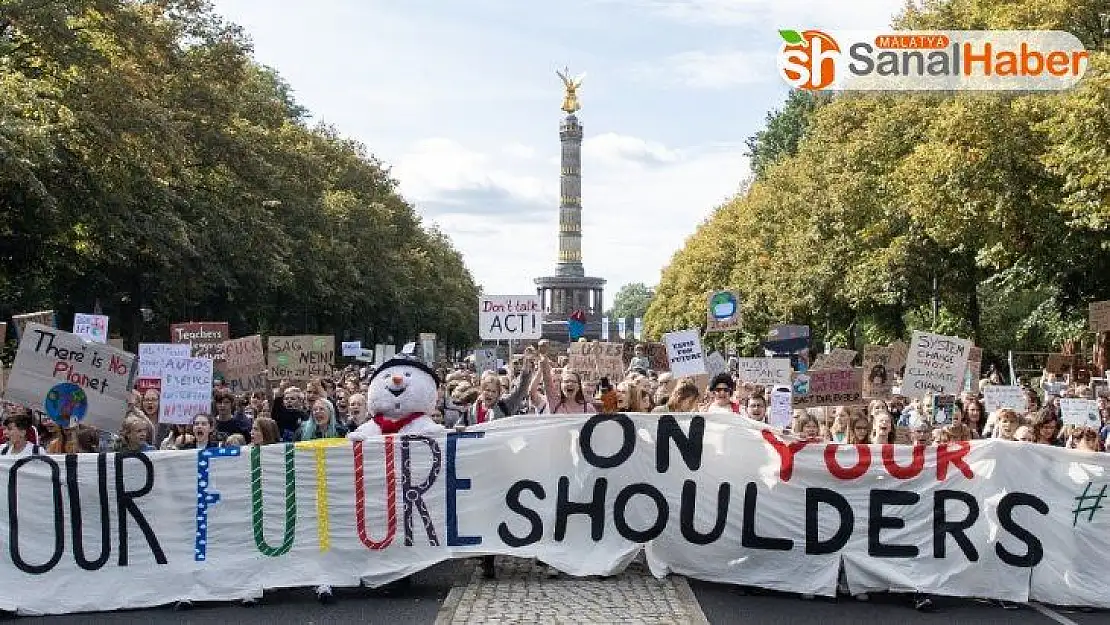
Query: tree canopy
[148, 161]
[1002, 199]
[632, 300]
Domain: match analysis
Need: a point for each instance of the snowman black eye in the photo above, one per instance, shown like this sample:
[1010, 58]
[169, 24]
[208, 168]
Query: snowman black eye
[408, 375]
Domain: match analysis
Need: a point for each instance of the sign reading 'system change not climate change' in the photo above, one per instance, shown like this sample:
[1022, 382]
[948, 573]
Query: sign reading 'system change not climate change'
[510, 317]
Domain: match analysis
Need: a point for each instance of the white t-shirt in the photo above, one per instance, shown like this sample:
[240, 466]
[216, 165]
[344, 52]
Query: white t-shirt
[28, 450]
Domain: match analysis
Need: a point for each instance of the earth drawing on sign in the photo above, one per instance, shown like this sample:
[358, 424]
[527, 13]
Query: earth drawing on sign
[66, 403]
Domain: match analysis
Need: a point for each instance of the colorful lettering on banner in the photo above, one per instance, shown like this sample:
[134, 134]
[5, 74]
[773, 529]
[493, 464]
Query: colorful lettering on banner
[702, 492]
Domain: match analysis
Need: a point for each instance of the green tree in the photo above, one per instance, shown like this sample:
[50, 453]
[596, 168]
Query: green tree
[784, 129]
[632, 300]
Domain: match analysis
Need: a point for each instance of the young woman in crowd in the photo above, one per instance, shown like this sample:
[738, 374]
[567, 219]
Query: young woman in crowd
[1045, 428]
[721, 387]
[494, 400]
[1006, 424]
[135, 435]
[882, 429]
[322, 423]
[265, 431]
[566, 397]
[17, 430]
[860, 431]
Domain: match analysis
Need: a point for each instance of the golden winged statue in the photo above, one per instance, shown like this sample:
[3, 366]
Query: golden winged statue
[570, 100]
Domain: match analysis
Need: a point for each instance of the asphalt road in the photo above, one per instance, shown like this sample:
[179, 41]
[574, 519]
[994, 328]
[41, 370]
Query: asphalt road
[722, 604]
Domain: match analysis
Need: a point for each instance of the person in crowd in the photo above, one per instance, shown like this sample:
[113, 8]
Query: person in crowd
[150, 404]
[973, 412]
[235, 440]
[1045, 427]
[1086, 439]
[838, 431]
[721, 387]
[566, 397]
[494, 399]
[229, 422]
[265, 431]
[664, 385]
[860, 431]
[756, 408]
[203, 436]
[322, 424]
[176, 433]
[135, 435]
[882, 429]
[684, 398]
[289, 409]
[357, 412]
[921, 435]
[342, 405]
[631, 397]
[17, 430]
[808, 427]
[639, 360]
[1006, 424]
[1024, 434]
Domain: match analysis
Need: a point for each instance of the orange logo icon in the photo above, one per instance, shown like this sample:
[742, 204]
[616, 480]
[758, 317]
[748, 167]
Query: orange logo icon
[807, 60]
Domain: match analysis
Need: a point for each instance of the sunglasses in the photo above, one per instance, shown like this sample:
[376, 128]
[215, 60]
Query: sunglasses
[722, 389]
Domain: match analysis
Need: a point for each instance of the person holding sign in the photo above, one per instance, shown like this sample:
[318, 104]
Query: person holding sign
[567, 396]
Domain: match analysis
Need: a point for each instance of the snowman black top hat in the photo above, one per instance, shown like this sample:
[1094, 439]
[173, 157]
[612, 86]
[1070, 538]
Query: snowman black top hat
[398, 361]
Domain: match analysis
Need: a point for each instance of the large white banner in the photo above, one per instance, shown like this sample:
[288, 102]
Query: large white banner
[708, 496]
[509, 317]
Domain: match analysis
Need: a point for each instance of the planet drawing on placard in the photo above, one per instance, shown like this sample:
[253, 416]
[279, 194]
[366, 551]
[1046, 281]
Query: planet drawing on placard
[723, 305]
[66, 404]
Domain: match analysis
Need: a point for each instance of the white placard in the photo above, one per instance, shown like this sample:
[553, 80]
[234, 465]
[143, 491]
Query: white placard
[781, 410]
[1081, 412]
[186, 389]
[935, 365]
[63, 375]
[351, 349]
[152, 356]
[685, 353]
[510, 317]
[764, 371]
[91, 327]
[715, 363]
[996, 397]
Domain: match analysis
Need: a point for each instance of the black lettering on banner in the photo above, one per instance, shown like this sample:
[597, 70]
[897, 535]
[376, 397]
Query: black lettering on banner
[595, 508]
[690, 446]
[628, 440]
[512, 500]
[814, 498]
[689, 507]
[413, 494]
[125, 505]
[1035, 552]
[13, 516]
[75, 518]
[942, 526]
[748, 537]
[620, 508]
[877, 522]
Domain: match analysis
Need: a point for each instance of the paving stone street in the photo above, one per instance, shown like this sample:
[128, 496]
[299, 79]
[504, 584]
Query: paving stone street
[524, 593]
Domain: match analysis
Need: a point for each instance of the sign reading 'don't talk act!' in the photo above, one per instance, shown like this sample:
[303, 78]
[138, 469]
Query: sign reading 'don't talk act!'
[510, 317]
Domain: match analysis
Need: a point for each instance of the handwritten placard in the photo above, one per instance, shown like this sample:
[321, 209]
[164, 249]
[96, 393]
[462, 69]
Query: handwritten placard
[91, 327]
[1080, 412]
[935, 365]
[996, 397]
[878, 373]
[206, 337]
[152, 357]
[828, 387]
[300, 357]
[684, 352]
[70, 379]
[186, 389]
[764, 371]
[244, 365]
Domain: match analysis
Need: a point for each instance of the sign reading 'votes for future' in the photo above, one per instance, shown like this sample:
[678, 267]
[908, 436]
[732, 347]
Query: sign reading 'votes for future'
[70, 379]
[509, 317]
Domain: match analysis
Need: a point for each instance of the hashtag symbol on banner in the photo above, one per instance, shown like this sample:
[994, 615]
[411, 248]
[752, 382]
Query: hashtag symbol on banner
[1081, 504]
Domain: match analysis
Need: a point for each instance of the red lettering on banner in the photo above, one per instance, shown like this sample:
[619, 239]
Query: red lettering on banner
[917, 462]
[849, 473]
[947, 456]
[785, 452]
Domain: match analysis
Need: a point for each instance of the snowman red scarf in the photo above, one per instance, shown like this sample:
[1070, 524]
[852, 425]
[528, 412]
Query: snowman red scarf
[392, 426]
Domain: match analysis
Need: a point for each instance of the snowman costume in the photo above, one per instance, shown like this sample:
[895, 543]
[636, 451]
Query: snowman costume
[401, 398]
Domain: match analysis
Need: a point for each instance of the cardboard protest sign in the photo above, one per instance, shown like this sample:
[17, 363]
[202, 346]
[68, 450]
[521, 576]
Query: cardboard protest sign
[878, 374]
[899, 351]
[244, 366]
[70, 379]
[45, 317]
[91, 327]
[300, 357]
[1080, 412]
[838, 358]
[186, 389]
[595, 360]
[206, 337]
[510, 317]
[996, 397]
[1060, 364]
[1100, 316]
[764, 371]
[828, 387]
[935, 365]
[723, 311]
[684, 352]
[152, 357]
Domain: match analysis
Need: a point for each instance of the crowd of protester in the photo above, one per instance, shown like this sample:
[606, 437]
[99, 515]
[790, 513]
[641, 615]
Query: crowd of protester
[539, 383]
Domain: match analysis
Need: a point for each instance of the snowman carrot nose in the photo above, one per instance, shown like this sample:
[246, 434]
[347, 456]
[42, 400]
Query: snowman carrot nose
[397, 379]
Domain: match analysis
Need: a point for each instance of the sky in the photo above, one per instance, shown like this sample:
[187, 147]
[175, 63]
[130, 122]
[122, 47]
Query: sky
[461, 101]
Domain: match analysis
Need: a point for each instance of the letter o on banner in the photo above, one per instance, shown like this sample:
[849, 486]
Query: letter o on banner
[620, 509]
[628, 441]
[13, 516]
